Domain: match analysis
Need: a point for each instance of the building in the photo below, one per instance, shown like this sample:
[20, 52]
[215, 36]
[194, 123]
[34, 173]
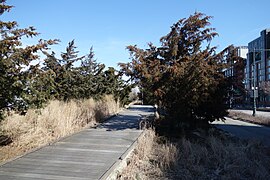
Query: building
[258, 66]
[241, 52]
[235, 61]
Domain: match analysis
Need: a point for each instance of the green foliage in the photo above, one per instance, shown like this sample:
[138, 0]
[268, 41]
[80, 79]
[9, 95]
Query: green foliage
[15, 62]
[24, 85]
[65, 81]
[90, 76]
[183, 74]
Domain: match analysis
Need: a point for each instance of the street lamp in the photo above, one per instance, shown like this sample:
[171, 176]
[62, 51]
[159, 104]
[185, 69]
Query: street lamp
[254, 88]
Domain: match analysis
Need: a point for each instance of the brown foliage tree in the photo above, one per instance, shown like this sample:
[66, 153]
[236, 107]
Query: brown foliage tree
[184, 74]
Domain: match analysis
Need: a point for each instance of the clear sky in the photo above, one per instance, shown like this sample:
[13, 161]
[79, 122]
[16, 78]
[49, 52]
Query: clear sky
[111, 25]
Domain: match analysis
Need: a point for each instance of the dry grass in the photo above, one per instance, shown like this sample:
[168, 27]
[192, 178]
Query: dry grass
[212, 157]
[249, 118]
[221, 158]
[150, 159]
[58, 119]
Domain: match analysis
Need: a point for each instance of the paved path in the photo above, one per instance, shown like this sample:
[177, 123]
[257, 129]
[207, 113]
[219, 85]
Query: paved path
[85, 155]
[245, 130]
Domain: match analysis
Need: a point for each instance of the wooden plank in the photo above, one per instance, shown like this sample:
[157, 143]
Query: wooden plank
[11, 177]
[96, 145]
[85, 155]
[20, 176]
[53, 163]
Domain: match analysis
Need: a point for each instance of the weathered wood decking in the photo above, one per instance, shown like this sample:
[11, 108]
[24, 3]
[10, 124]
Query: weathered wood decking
[85, 155]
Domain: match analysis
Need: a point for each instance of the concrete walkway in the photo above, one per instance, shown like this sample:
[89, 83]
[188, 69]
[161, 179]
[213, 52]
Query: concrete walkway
[85, 155]
[245, 130]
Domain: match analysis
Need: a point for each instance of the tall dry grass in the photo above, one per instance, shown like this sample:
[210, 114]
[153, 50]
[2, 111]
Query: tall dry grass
[221, 158]
[211, 157]
[56, 120]
[150, 158]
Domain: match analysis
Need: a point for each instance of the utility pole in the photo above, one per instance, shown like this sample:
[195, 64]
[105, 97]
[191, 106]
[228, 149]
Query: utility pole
[231, 75]
[254, 85]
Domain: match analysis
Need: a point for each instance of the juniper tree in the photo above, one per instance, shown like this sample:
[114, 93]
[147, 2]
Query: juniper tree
[91, 73]
[183, 74]
[61, 75]
[15, 69]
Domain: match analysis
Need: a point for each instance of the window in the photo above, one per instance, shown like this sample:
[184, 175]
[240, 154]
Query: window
[257, 56]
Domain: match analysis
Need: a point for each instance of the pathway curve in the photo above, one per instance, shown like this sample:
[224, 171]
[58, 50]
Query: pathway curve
[85, 155]
[245, 130]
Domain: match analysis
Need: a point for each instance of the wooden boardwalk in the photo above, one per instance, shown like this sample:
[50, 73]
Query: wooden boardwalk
[85, 155]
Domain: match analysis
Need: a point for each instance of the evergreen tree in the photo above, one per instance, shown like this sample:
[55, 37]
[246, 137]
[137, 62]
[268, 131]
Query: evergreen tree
[91, 73]
[15, 69]
[68, 73]
[184, 74]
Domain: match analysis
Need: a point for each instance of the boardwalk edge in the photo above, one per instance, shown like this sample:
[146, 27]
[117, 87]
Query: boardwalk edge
[122, 161]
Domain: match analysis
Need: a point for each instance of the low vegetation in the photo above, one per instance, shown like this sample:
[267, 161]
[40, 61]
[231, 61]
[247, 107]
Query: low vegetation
[197, 156]
[235, 114]
[58, 119]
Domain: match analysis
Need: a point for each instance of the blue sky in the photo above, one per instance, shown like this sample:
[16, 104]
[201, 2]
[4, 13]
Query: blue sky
[111, 25]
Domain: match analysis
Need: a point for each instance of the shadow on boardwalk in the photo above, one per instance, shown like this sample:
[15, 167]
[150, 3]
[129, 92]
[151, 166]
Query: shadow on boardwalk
[85, 155]
[127, 120]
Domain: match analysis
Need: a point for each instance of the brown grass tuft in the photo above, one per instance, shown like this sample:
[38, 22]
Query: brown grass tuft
[58, 119]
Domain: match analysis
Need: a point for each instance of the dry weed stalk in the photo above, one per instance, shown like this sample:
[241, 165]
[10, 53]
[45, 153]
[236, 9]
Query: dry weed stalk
[58, 119]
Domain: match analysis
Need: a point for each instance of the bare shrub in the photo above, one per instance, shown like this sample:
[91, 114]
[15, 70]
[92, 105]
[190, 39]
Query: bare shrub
[58, 119]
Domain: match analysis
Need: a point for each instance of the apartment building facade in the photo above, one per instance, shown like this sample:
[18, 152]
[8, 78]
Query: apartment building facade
[257, 69]
[241, 52]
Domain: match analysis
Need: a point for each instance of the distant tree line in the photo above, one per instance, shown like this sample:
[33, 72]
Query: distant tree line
[25, 83]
